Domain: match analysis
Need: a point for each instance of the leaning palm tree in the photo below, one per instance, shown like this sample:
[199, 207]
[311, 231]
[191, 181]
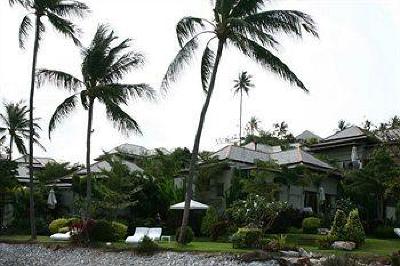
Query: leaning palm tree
[103, 67]
[243, 25]
[57, 13]
[243, 83]
[15, 124]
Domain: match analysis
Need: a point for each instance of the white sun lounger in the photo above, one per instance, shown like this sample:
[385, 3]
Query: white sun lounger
[61, 237]
[140, 232]
[397, 231]
[155, 233]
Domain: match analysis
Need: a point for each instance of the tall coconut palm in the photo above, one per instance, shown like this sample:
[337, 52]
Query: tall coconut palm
[103, 67]
[57, 13]
[15, 124]
[243, 25]
[243, 83]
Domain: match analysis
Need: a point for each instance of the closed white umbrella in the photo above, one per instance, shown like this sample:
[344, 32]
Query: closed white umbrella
[194, 205]
[51, 200]
[354, 154]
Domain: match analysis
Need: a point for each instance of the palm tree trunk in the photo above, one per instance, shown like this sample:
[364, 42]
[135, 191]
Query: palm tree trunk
[10, 148]
[240, 118]
[195, 151]
[88, 172]
[31, 130]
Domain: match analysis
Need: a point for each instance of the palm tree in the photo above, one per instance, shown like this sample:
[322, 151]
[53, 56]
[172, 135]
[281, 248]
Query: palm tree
[252, 125]
[240, 24]
[281, 129]
[103, 67]
[16, 127]
[342, 125]
[57, 12]
[243, 83]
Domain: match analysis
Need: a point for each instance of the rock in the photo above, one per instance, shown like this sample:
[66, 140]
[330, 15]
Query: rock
[290, 253]
[301, 261]
[304, 253]
[344, 245]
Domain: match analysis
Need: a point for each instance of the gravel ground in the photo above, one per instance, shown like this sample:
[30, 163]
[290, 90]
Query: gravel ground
[16, 255]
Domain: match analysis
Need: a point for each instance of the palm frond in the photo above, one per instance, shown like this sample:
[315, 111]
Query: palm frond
[26, 26]
[59, 79]
[188, 27]
[207, 66]
[70, 8]
[183, 58]
[64, 26]
[37, 143]
[84, 99]
[19, 142]
[291, 22]
[63, 110]
[250, 31]
[122, 121]
[122, 66]
[120, 93]
[23, 3]
[247, 7]
[266, 59]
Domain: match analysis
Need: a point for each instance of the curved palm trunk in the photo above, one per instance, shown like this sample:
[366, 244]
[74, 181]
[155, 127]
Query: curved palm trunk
[195, 151]
[240, 117]
[88, 172]
[31, 130]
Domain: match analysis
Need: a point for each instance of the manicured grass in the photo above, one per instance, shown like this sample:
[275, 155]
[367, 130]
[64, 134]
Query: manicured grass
[372, 247]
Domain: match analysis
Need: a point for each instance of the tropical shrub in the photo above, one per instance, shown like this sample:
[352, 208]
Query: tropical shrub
[311, 225]
[325, 242]
[354, 229]
[208, 221]
[345, 205]
[219, 229]
[247, 237]
[82, 231]
[337, 230]
[188, 235]
[64, 230]
[288, 218]
[147, 246]
[395, 258]
[119, 230]
[102, 232]
[384, 232]
[56, 224]
[255, 211]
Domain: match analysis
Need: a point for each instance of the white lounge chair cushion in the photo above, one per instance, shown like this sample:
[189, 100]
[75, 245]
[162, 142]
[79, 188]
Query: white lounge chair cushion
[155, 233]
[140, 232]
[397, 231]
[61, 237]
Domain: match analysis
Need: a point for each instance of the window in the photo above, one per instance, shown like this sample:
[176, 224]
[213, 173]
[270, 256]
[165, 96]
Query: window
[220, 189]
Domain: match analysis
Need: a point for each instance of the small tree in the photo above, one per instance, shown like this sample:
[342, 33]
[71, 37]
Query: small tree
[338, 230]
[209, 220]
[354, 229]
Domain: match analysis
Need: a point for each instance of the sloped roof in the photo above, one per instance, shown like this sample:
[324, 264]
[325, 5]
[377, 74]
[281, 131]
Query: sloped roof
[350, 132]
[306, 135]
[296, 156]
[241, 154]
[42, 161]
[136, 150]
[388, 135]
[100, 166]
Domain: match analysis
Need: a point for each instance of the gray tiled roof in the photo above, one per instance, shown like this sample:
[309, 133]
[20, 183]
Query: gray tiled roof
[350, 132]
[306, 135]
[294, 156]
[241, 154]
[135, 150]
[100, 166]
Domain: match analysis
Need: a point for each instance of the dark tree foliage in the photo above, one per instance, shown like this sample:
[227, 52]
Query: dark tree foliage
[8, 171]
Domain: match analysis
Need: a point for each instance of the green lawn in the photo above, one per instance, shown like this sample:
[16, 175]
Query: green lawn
[372, 247]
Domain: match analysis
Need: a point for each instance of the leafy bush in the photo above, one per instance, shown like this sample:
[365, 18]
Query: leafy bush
[384, 232]
[120, 230]
[56, 224]
[102, 231]
[311, 225]
[247, 237]
[288, 218]
[64, 230]
[208, 221]
[73, 220]
[255, 211]
[337, 230]
[354, 229]
[325, 242]
[82, 231]
[147, 246]
[345, 205]
[395, 258]
[188, 235]
[219, 229]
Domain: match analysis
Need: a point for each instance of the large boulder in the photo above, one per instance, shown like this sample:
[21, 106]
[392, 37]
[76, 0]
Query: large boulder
[344, 245]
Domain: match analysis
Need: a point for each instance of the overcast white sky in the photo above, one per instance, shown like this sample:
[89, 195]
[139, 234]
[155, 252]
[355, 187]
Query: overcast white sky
[352, 72]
